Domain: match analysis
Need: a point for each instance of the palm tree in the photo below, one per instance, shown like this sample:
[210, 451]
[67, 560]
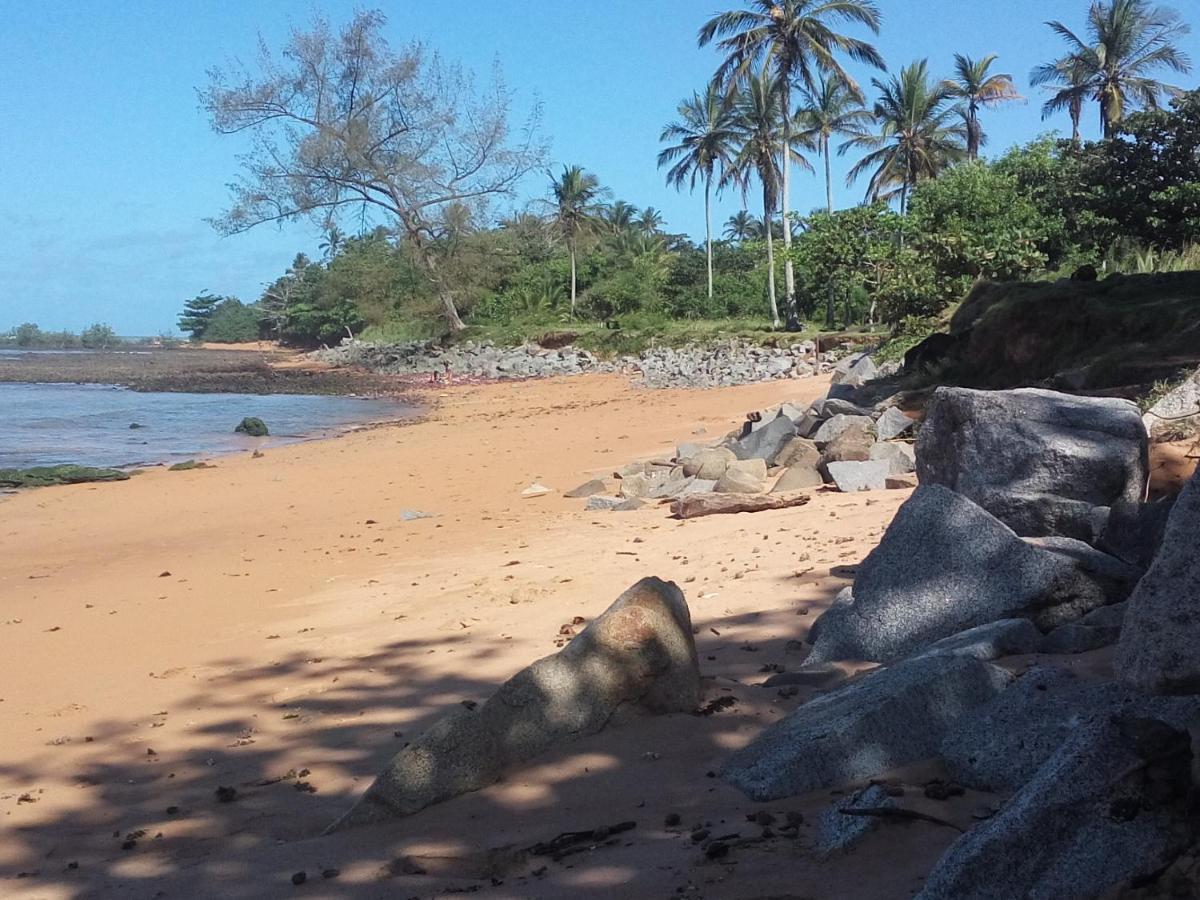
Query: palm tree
[742, 226]
[1067, 81]
[619, 217]
[757, 129]
[916, 140]
[797, 41]
[976, 87]
[650, 222]
[831, 110]
[333, 243]
[1126, 40]
[576, 201]
[704, 135]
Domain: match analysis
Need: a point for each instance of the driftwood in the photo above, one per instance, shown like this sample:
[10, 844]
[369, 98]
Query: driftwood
[693, 506]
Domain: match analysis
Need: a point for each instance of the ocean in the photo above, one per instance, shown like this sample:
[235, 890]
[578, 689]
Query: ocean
[88, 424]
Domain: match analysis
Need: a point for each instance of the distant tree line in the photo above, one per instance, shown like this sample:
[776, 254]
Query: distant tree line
[345, 126]
[29, 336]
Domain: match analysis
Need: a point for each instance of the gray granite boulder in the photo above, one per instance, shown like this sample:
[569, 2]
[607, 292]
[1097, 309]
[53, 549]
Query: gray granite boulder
[945, 565]
[831, 428]
[1134, 531]
[1117, 577]
[835, 830]
[797, 478]
[587, 489]
[892, 423]
[613, 504]
[1178, 409]
[1076, 637]
[832, 406]
[852, 444]
[1085, 823]
[766, 441]
[1160, 644]
[1008, 637]
[746, 476]
[900, 457]
[889, 718]
[1038, 460]
[798, 452]
[851, 477]
[708, 464]
[639, 656]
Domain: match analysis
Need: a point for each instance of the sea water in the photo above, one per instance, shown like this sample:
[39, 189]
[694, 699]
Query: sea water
[89, 424]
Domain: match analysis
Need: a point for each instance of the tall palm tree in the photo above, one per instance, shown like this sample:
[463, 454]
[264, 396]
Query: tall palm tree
[797, 40]
[619, 217]
[831, 110]
[976, 87]
[742, 226]
[650, 222]
[704, 139]
[757, 127]
[333, 243]
[576, 198]
[1068, 83]
[917, 137]
[1126, 41]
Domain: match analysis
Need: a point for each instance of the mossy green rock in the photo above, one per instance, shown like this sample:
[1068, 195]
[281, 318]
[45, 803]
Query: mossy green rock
[44, 476]
[188, 465]
[254, 427]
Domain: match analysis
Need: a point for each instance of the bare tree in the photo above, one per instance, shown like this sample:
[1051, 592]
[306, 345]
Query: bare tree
[340, 122]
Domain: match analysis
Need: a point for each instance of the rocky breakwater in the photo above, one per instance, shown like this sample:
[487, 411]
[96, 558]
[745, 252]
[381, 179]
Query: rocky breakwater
[716, 364]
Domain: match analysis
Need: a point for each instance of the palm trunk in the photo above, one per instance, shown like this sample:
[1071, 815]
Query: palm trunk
[785, 98]
[770, 261]
[572, 279]
[708, 229]
[972, 136]
[828, 173]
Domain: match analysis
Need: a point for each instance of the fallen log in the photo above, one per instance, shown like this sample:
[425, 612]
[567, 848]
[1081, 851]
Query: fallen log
[693, 506]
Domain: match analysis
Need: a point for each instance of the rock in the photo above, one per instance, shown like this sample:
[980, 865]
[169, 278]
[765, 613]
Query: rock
[1107, 616]
[536, 490]
[933, 353]
[837, 831]
[637, 486]
[900, 482]
[798, 452]
[412, 515]
[831, 428]
[45, 476]
[888, 719]
[797, 478]
[637, 657]
[1160, 643]
[613, 504]
[1178, 411]
[854, 370]
[1083, 824]
[1008, 637]
[808, 676]
[674, 486]
[587, 489]
[1134, 531]
[1115, 576]
[893, 424]
[901, 458]
[833, 406]
[1075, 637]
[766, 442]
[630, 470]
[850, 477]
[693, 506]
[746, 476]
[709, 464]
[945, 565]
[852, 444]
[1039, 461]
[688, 450]
[252, 426]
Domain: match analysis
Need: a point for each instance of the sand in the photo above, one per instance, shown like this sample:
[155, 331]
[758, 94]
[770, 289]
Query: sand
[184, 631]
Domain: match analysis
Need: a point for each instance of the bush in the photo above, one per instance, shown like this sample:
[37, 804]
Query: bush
[98, 337]
[232, 322]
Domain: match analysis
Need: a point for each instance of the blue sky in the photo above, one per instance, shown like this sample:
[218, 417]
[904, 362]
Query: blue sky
[108, 169]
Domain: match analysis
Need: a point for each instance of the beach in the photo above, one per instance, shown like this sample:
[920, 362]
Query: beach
[184, 631]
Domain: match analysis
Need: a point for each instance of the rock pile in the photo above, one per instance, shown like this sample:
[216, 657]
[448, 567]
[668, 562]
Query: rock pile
[1100, 771]
[785, 449]
[716, 364]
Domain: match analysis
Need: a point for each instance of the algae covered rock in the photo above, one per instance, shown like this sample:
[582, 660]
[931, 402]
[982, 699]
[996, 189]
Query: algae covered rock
[252, 426]
[45, 476]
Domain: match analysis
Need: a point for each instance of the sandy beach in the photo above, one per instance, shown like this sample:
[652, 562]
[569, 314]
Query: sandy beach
[274, 625]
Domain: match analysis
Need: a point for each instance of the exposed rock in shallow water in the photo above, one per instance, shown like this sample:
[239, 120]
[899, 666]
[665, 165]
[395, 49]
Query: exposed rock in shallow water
[45, 476]
[637, 657]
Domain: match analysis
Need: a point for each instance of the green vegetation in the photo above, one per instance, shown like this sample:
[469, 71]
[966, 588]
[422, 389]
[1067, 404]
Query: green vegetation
[439, 259]
[29, 336]
[188, 465]
[252, 426]
[45, 476]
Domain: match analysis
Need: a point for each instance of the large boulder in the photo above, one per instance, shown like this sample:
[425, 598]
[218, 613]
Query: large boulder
[1160, 644]
[1134, 531]
[831, 428]
[252, 426]
[797, 478]
[1177, 411]
[1039, 461]
[766, 441]
[799, 452]
[852, 477]
[746, 476]
[900, 457]
[887, 719]
[639, 656]
[945, 565]
[708, 465]
[1103, 809]
[892, 423]
[852, 444]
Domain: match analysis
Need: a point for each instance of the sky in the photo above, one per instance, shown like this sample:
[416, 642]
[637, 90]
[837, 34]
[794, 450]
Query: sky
[108, 168]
